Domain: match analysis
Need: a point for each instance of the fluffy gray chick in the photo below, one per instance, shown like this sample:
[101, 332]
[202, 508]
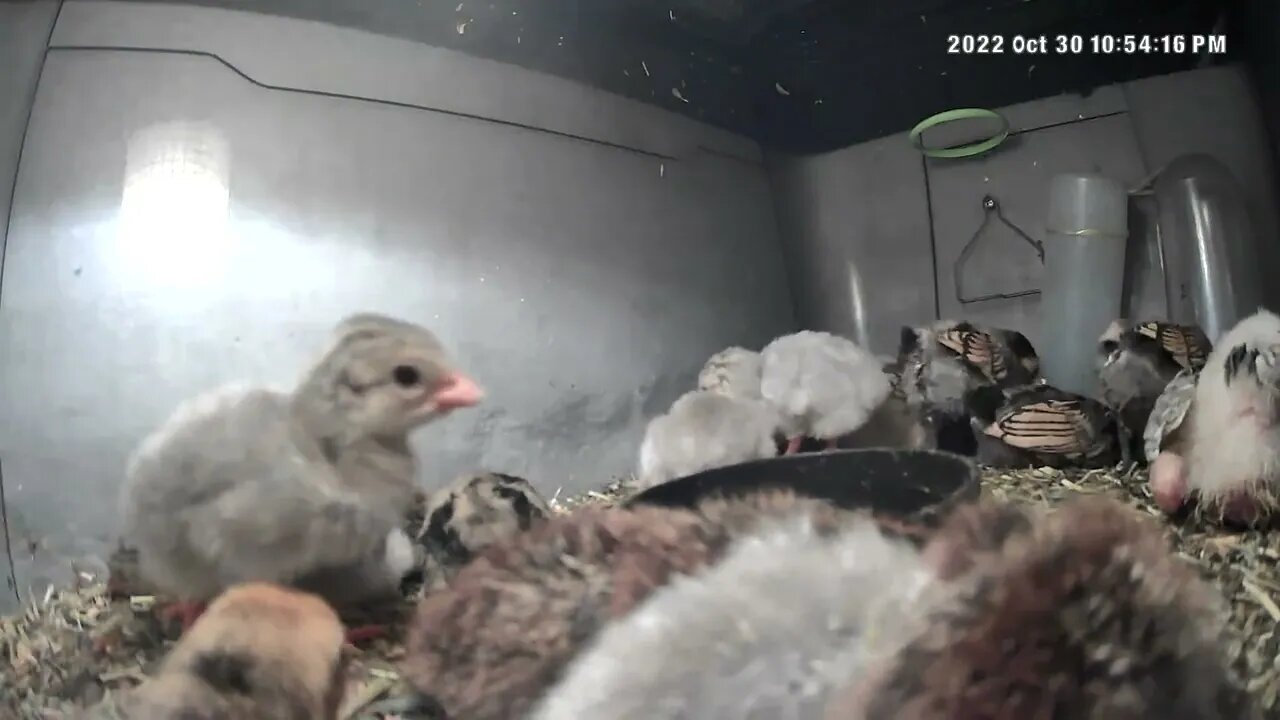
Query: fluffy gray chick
[789, 615]
[733, 371]
[476, 511]
[1133, 370]
[245, 484]
[824, 386]
[705, 430]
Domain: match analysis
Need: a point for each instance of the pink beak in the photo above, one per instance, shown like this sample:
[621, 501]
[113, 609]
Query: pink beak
[457, 391]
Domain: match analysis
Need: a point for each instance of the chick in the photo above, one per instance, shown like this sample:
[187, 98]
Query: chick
[705, 430]
[824, 386]
[1088, 616]
[1233, 452]
[734, 370]
[974, 533]
[1042, 425]
[1004, 357]
[490, 643]
[1165, 441]
[933, 383]
[784, 619]
[260, 652]
[477, 511]
[1133, 370]
[1186, 344]
[307, 488]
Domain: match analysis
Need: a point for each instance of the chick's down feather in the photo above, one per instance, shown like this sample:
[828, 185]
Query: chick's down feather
[1088, 615]
[1233, 455]
[705, 430]
[491, 642]
[787, 616]
[825, 386]
[222, 494]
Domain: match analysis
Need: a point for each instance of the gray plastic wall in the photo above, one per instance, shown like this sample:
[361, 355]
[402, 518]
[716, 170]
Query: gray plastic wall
[581, 254]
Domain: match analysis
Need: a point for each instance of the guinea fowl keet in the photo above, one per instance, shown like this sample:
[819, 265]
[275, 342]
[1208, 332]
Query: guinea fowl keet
[308, 488]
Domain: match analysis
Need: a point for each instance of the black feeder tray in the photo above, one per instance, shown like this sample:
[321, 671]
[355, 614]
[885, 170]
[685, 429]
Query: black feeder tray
[921, 485]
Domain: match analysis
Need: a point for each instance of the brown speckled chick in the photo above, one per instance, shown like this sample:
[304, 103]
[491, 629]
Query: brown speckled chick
[260, 652]
[1087, 615]
[508, 624]
[304, 488]
[476, 511]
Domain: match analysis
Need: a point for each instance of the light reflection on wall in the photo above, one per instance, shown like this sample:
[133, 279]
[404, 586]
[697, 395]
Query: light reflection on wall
[173, 222]
[858, 306]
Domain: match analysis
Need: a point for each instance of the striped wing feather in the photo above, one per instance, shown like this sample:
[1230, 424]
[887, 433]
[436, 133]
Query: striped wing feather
[1048, 426]
[978, 349]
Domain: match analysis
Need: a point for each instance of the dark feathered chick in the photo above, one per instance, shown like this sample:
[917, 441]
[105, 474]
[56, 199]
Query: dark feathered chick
[933, 382]
[1004, 357]
[1088, 616]
[476, 511]
[1186, 344]
[973, 533]
[260, 652]
[490, 643]
[1042, 425]
[1133, 370]
[501, 633]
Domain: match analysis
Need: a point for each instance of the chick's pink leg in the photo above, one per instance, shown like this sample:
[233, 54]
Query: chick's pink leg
[833, 444]
[1169, 481]
[186, 612]
[793, 445]
[363, 633]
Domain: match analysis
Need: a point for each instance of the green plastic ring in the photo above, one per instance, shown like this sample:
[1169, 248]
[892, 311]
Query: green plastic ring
[961, 151]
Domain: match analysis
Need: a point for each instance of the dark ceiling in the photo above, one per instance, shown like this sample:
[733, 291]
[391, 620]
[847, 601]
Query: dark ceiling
[797, 75]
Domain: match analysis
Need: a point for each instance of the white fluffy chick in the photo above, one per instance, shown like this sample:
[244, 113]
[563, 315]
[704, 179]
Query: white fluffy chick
[705, 430]
[734, 371]
[1233, 453]
[773, 629]
[307, 488]
[824, 386]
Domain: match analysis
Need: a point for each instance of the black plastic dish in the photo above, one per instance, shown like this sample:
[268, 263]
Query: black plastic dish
[900, 483]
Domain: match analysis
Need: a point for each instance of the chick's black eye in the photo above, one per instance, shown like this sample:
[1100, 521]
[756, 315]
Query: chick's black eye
[406, 376]
[1110, 346]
